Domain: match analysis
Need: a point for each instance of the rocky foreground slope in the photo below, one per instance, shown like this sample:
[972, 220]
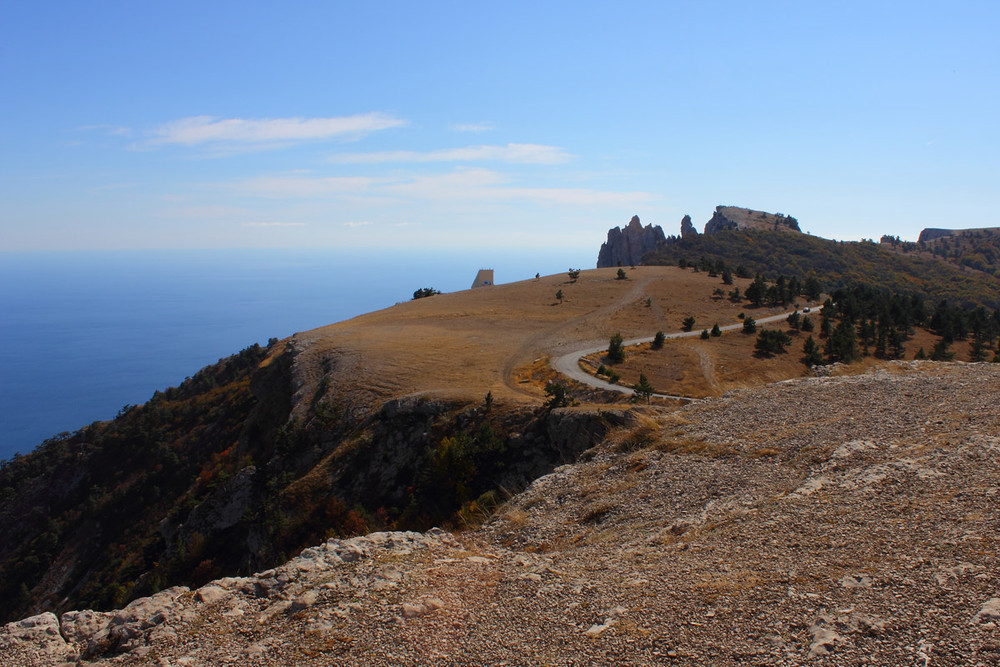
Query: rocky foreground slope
[828, 521]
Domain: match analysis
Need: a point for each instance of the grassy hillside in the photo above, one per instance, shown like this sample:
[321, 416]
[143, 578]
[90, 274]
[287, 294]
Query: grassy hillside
[837, 264]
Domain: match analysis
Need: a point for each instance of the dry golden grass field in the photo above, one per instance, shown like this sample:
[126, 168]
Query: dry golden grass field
[498, 339]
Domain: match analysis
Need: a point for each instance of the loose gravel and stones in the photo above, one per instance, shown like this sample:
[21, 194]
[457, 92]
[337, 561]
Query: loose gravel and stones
[821, 521]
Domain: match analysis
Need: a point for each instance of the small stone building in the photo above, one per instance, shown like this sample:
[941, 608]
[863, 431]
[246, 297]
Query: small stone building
[483, 278]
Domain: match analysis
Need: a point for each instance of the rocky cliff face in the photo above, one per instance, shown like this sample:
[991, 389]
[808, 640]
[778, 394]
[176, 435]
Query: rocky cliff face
[932, 233]
[687, 229]
[732, 217]
[626, 246]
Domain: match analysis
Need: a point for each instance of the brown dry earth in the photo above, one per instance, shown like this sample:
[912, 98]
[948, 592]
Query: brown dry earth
[828, 521]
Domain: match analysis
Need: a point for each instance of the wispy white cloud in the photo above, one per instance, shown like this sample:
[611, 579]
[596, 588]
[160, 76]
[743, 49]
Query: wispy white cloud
[113, 130]
[212, 211]
[360, 223]
[488, 185]
[459, 185]
[514, 153]
[272, 224]
[473, 127]
[113, 186]
[263, 132]
[282, 187]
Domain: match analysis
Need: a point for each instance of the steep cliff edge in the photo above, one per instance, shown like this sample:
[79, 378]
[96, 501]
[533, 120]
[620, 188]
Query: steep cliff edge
[626, 246]
[235, 469]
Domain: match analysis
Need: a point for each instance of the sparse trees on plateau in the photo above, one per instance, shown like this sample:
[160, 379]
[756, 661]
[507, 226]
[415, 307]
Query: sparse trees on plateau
[424, 292]
[643, 389]
[810, 353]
[616, 349]
[942, 351]
[557, 392]
[771, 341]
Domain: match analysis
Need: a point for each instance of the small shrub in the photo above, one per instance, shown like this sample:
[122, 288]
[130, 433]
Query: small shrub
[704, 334]
[643, 389]
[425, 292]
[658, 340]
[557, 392]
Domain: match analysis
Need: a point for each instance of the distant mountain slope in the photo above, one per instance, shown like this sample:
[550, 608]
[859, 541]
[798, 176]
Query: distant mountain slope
[977, 249]
[836, 263]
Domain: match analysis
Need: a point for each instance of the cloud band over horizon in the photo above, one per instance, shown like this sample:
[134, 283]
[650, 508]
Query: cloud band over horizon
[211, 130]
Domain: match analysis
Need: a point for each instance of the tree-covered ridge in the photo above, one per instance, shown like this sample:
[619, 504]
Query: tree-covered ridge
[838, 264]
[214, 478]
[977, 249]
[91, 501]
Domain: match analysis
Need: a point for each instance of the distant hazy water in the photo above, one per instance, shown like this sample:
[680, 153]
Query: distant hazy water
[83, 334]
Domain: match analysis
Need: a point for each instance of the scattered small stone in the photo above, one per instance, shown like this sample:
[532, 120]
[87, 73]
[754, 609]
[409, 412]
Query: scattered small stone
[989, 613]
[856, 581]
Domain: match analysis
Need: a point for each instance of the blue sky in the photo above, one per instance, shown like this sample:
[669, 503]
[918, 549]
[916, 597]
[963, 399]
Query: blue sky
[424, 125]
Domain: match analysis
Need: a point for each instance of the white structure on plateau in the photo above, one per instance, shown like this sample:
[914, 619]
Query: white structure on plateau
[483, 278]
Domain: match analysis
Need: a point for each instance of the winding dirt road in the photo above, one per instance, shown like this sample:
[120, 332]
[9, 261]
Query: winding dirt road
[569, 364]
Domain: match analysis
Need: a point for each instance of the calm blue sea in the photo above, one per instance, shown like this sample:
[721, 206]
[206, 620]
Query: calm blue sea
[84, 333]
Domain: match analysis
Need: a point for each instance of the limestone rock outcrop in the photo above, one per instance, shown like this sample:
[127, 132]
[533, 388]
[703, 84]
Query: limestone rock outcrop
[687, 229]
[732, 217]
[627, 245]
[932, 233]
